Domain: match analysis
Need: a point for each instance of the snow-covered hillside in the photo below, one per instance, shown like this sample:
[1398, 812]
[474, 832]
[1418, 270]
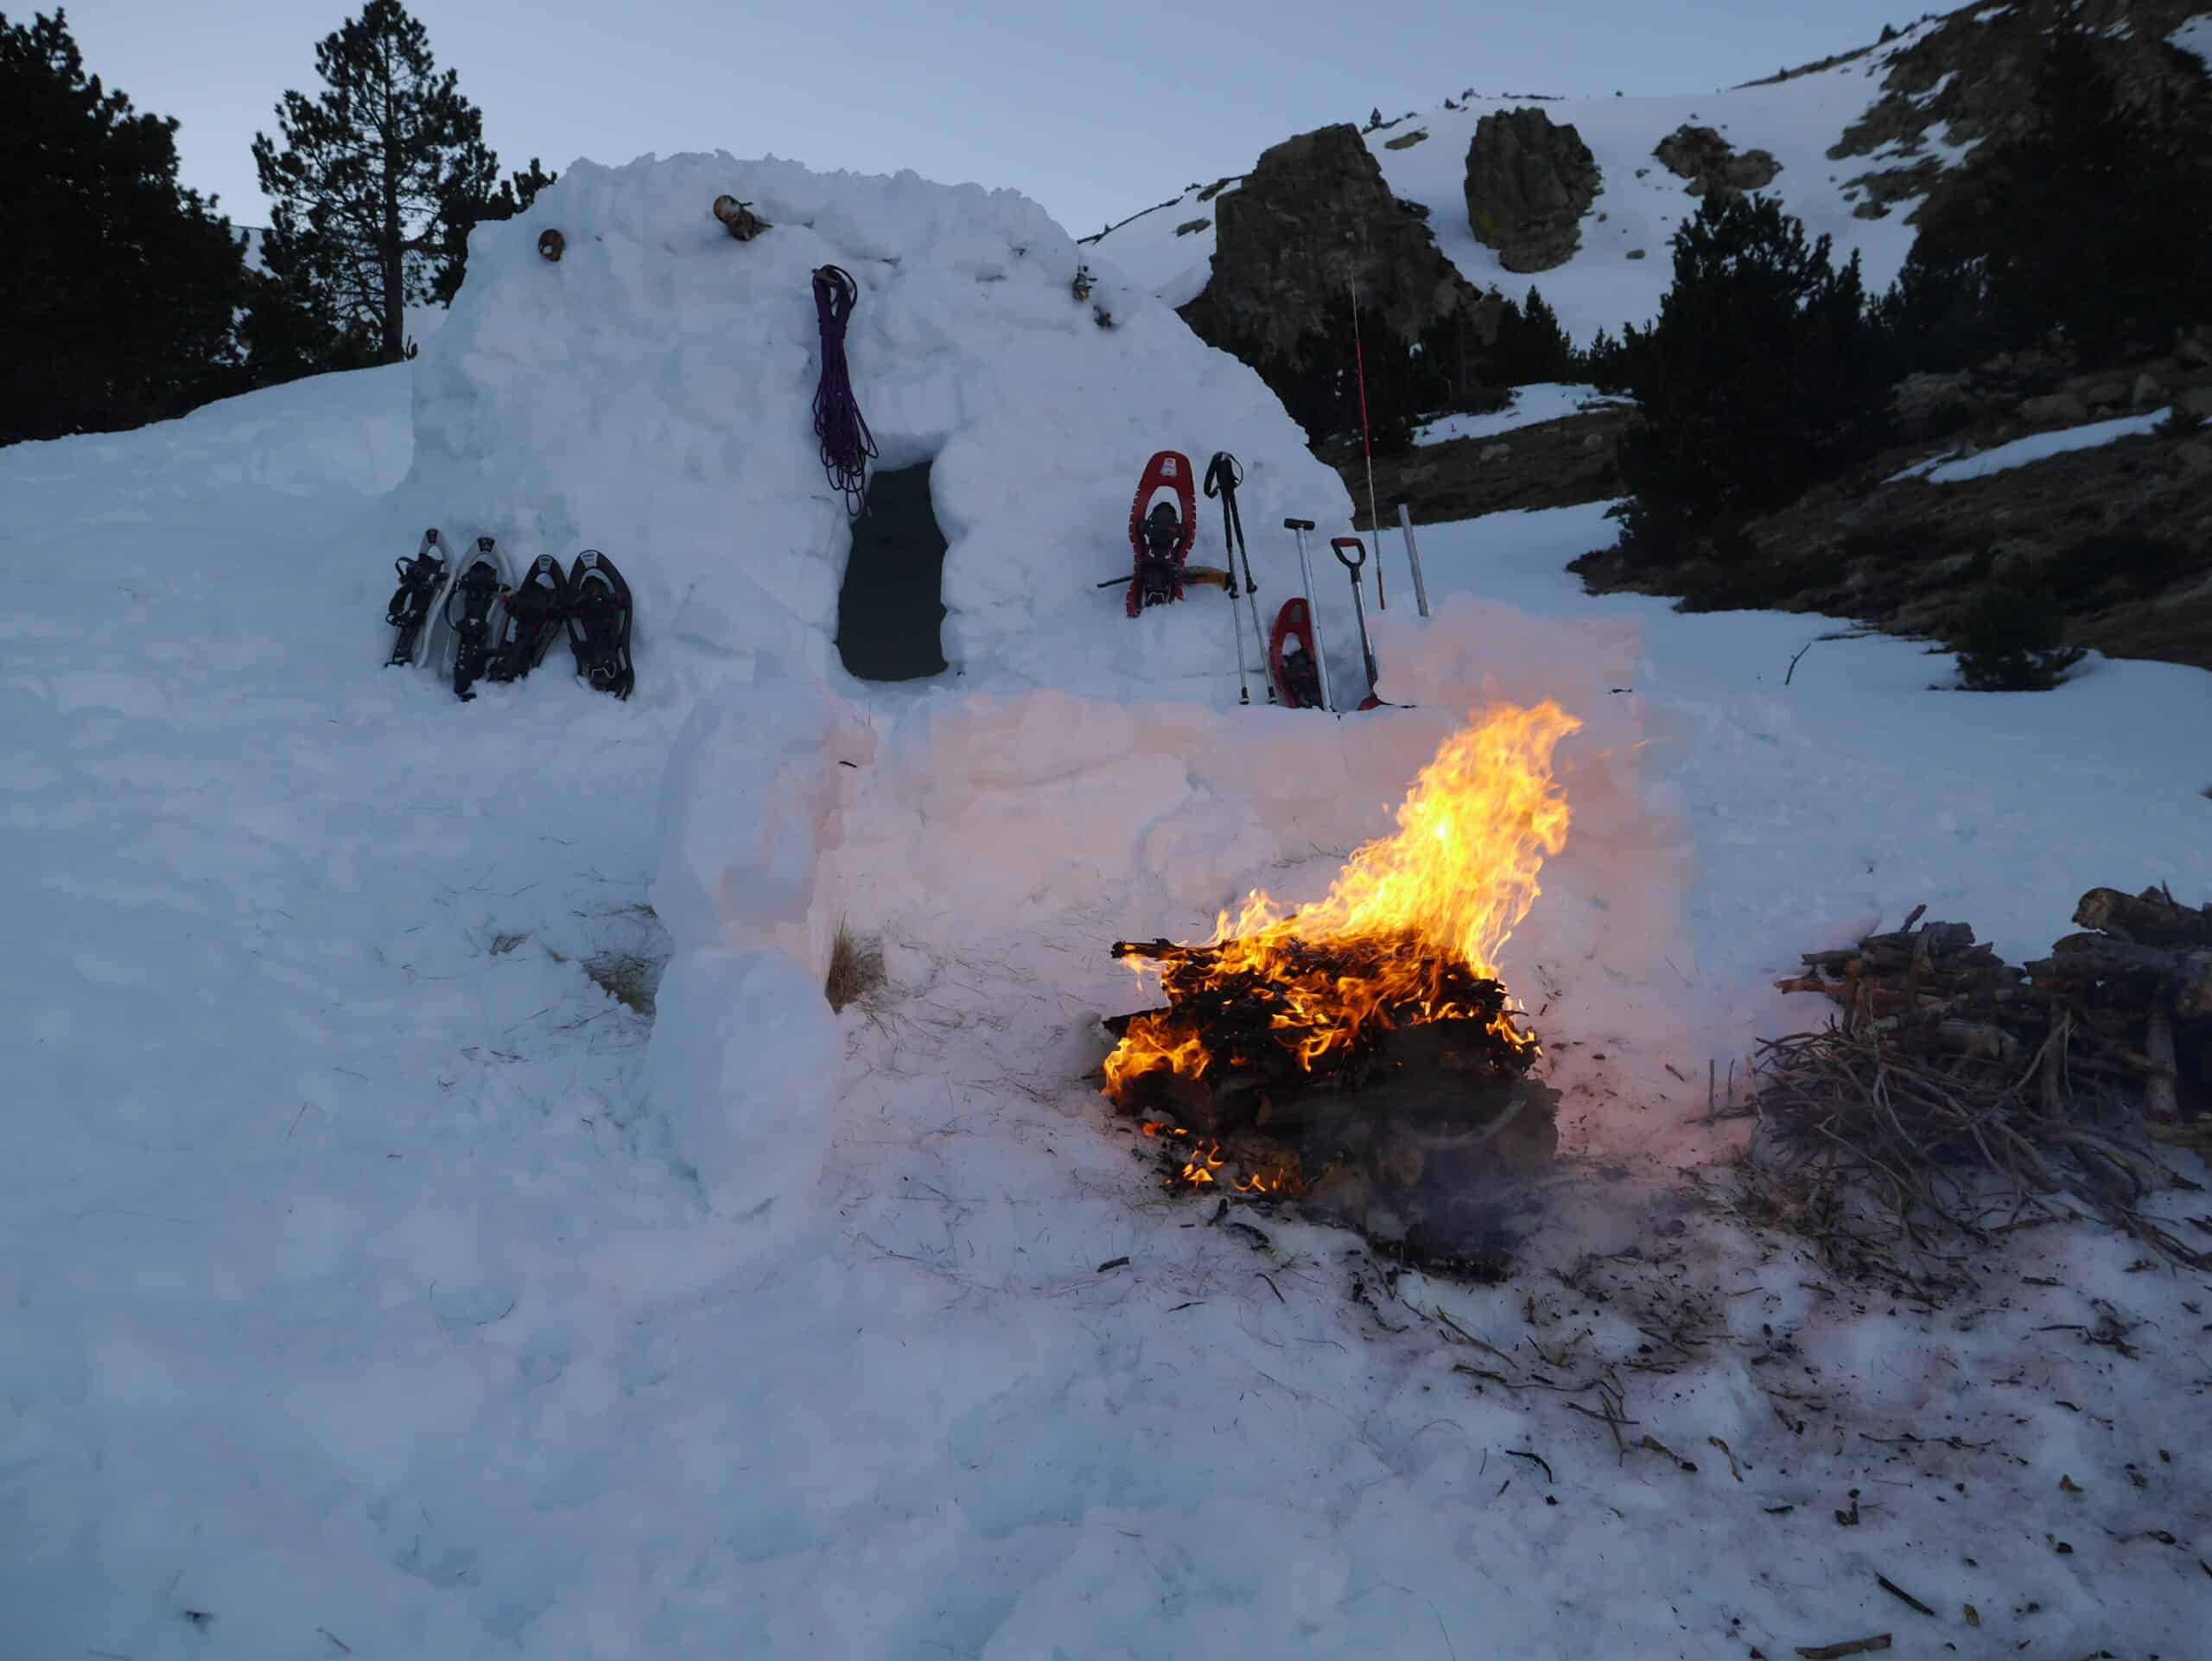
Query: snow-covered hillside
[379, 1284]
[1624, 265]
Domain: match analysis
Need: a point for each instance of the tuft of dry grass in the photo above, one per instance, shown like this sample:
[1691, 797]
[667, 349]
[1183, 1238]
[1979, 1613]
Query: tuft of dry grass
[503, 943]
[629, 977]
[856, 968]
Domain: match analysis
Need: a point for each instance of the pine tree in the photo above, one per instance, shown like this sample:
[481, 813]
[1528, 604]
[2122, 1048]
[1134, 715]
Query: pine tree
[463, 213]
[370, 177]
[2092, 219]
[1760, 374]
[118, 291]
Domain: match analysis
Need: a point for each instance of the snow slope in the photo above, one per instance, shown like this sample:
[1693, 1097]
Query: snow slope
[377, 1285]
[1539, 401]
[1640, 201]
[1953, 468]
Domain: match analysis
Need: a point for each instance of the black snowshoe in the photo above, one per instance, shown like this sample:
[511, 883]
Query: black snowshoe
[535, 611]
[422, 582]
[598, 617]
[472, 615]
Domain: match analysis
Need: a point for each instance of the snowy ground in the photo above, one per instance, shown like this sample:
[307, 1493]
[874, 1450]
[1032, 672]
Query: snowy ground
[355, 1304]
[1953, 467]
[1538, 401]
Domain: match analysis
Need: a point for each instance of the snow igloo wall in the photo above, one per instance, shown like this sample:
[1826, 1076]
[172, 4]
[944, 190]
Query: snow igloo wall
[651, 394]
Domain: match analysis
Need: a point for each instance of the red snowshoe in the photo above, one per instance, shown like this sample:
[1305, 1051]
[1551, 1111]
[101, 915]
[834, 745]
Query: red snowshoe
[1161, 533]
[1291, 658]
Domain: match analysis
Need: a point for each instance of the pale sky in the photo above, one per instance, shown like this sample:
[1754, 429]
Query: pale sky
[1096, 110]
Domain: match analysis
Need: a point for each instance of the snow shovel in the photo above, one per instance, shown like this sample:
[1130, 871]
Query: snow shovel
[1345, 548]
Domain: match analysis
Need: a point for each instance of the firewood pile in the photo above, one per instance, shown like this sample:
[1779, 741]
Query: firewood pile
[1273, 1081]
[1956, 1089]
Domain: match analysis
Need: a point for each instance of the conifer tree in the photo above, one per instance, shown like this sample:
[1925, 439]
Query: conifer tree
[371, 178]
[118, 291]
[513, 196]
[2093, 219]
[1760, 374]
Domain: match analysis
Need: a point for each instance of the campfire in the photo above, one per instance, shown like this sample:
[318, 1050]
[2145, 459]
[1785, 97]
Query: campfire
[1362, 1053]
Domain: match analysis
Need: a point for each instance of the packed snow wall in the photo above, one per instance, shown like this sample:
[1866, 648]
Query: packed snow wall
[1037, 826]
[651, 394]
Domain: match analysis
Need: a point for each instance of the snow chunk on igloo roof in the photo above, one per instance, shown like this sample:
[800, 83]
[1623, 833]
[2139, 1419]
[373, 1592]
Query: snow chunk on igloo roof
[651, 394]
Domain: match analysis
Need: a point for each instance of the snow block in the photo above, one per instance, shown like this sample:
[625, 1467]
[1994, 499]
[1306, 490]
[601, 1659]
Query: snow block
[745, 1063]
[749, 802]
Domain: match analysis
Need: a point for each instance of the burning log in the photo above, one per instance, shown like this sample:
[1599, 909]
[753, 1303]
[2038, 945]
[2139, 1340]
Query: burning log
[1362, 1053]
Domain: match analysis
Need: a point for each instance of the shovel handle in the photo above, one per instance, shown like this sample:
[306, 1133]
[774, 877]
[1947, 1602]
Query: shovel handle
[1338, 545]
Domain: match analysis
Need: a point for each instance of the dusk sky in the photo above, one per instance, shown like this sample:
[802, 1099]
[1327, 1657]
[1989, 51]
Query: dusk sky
[1095, 111]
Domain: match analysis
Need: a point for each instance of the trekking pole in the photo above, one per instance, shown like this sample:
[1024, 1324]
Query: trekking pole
[1358, 608]
[1413, 558]
[1366, 442]
[1312, 612]
[1223, 476]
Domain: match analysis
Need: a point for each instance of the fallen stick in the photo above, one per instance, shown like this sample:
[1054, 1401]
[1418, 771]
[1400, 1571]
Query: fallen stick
[1837, 1651]
[1900, 1595]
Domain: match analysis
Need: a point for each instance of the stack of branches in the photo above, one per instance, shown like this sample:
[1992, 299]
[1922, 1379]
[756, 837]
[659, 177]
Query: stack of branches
[1960, 1092]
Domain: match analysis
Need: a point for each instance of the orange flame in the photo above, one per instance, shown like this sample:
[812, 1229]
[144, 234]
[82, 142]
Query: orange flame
[1450, 887]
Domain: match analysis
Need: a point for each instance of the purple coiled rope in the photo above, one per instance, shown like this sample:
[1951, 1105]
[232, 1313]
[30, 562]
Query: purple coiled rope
[846, 444]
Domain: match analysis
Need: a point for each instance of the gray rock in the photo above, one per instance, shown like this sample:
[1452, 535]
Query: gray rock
[1635, 253]
[1711, 164]
[1496, 452]
[2105, 394]
[2197, 401]
[2053, 409]
[2147, 390]
[1528, 184]
[2193, 348]
[1595, 442]
[1313, 215]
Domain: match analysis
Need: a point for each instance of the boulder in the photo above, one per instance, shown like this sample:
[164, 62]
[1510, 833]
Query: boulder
[1711, 164]
[2146, 391]
[1921, 401]
[1530, 181]
[2054, 409]
[2105, 394]
[1312, 216]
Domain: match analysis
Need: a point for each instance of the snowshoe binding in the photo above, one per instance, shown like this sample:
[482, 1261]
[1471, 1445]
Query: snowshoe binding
[598, 617]
[422, 584]
[474, 614]
[535, 612]
[1161, 533]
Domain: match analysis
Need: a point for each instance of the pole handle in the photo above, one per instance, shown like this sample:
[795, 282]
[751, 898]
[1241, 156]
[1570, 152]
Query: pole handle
[1298, 524]
[1338, 545]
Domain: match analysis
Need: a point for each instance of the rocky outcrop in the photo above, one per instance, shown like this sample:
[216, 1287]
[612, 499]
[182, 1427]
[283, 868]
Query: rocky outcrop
[1972, 79]
[1313, 217]
[2122, 533]
[1712, 165]
[1530, 181]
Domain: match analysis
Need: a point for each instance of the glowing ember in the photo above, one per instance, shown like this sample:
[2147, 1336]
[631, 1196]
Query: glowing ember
[1409, 935]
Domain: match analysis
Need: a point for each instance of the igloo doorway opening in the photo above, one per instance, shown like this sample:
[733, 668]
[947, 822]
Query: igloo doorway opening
[891, 608]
